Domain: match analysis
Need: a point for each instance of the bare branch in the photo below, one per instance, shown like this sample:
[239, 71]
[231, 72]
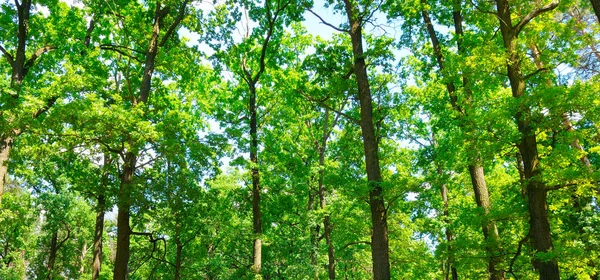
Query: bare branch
[327, 23]
[535, 72]
[524, 21]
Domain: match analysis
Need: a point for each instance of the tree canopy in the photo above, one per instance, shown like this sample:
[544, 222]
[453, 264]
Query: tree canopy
[278, 139]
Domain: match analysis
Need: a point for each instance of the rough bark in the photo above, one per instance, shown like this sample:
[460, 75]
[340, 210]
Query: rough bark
[537, 192]
[379, 237]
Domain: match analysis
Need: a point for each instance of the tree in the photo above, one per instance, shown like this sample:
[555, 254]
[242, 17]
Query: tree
[537, 192]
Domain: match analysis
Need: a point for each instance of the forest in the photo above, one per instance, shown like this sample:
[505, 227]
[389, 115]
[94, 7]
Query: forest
[300, 139]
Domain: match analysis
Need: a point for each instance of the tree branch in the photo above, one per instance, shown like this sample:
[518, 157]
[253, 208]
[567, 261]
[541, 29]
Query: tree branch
[327, 23]
[524, 21]
[36, 55]
[535, 72]
[174, 25]
[7, 55]
[322, 104]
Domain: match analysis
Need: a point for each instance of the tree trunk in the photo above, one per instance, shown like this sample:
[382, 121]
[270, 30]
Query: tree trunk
[123, 228]
[100, 210]
[84, 249]
[326, 219]
[596, 6]
[537, 192]
[256, 214]
[178, 255]
[449, 236]
[98, 230]
[52, 254]
[379, 238]
[5, 147]
[490, 230]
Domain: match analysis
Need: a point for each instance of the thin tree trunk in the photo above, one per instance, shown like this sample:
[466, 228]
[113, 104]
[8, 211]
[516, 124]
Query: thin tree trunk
[452, 271]
[537, 192]
[326, 219]
[449, 236]
[100, 210]
[256, 213]
[379, 238]
[98, 231]
[179, 251]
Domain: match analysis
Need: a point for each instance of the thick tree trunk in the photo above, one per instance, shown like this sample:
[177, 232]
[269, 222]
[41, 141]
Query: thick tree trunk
[98, 231]
[256, 214]
[537, 192]
[379, 238]
[5, 147]
[596, 6]
[123, 229]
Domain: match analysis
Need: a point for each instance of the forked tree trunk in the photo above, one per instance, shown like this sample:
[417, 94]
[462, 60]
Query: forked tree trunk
[379, 237]
[537, 192]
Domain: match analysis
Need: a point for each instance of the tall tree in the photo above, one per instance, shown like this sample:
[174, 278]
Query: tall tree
[379, 240]
[537, 191]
